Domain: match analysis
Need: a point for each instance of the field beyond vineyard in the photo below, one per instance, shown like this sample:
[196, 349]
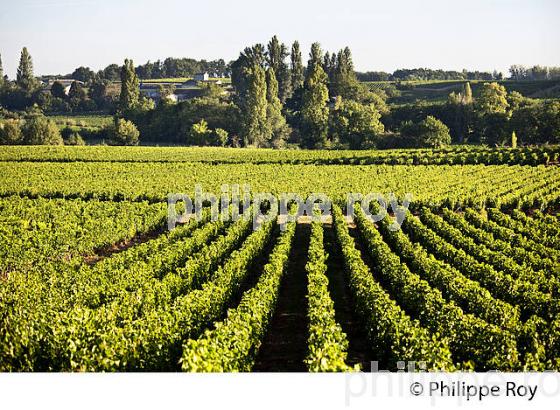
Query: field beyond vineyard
[92, 280]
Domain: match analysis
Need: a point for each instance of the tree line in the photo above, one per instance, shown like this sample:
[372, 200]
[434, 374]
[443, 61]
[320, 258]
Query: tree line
[168, 68]
[26, 91]
[494, 117]
[427, 74]
[537, 72]
[278, 101]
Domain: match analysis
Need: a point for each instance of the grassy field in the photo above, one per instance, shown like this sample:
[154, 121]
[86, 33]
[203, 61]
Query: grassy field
[82, 121]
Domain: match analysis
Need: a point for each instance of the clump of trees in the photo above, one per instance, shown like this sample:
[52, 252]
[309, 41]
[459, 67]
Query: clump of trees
[123, 132]
[34, 130]
[428, 133]
[537, 72]
[304, 105]
[428, 74]
[356, 125]
[201, 135]
[87, 93]
[489, 118]
[10, 132]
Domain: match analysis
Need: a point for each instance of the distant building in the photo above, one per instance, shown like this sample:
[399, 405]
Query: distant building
[66, 83]
[201, 77]
[182, 92]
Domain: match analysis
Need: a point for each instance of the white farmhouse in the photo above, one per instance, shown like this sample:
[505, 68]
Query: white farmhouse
[201, 77]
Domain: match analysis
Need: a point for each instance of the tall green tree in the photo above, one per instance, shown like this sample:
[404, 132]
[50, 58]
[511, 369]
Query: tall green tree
[40, 130]
[1, 72]
[344, 82]
[276, 121]
[57, 90]
[492, 99]
[130, 87]
[84, 74]
[24, 75]
[315, 58]
[492, 115]
[356, 124]
[467, 93]
[297, 67]
[461, 109]
[241, 69]
[276, 59]
[429, 133]
[314, 111]
[329, 69]
[76, 91]
[255, 127]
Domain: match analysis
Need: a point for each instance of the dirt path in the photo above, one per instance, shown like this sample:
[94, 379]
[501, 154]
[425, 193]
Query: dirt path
[359, 350]
[106, 251]
[285, 346]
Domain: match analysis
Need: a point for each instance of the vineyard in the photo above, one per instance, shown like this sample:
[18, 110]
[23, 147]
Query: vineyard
[92, 280]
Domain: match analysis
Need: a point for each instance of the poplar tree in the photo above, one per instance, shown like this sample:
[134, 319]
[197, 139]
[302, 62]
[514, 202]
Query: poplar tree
[240, 68]
[274, 54]
[467, 93]
[344, 81]
[130, 88]
[1, 72]
[492, 99]
[315, 58]
[297, 67]
[314, 111]
[276, 59]
[275, 119]
[256, 129]
[328, 65]
[24, 75]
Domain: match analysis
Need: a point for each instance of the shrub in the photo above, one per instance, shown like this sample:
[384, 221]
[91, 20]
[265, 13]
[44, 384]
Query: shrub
[199, 134]
[39, 130]
[356, 124]
[10, 133]
[74, 139]
[123, 132]
[221, 137]
[429, 133]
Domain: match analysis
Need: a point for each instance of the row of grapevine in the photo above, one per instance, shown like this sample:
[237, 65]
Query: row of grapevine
[528, 230]
[519, 293]
[548, 232]
[233, 343]
[517, 253]
[42, 230]
[451, 186]
[538, 337]
[547, 221]
[394, 336]
[200, 267]
[508, 235]
[88, 291]
[327, 342]
[500, 262]
[458, 155]
[151, 338]
[472, 340]
[466, 293]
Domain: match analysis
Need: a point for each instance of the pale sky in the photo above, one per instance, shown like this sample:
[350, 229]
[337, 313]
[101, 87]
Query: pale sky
[383, 35]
